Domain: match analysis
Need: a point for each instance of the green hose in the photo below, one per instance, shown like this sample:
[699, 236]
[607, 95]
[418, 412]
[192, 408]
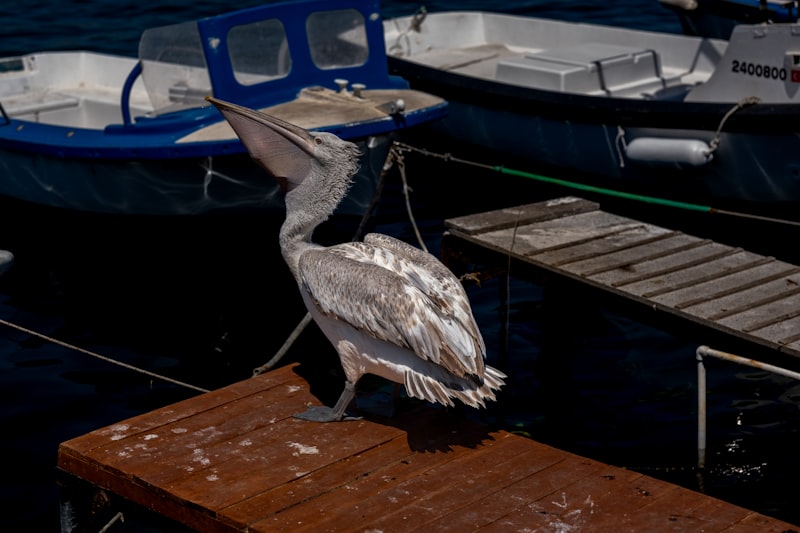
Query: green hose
[609, 192]
[599, 190]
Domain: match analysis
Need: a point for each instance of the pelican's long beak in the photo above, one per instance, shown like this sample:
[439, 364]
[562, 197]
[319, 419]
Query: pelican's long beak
[281, 148]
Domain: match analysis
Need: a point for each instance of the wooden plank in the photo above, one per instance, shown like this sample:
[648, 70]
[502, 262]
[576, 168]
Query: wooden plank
[715, 515]
[342, 474]
[534, 497]
[628, 257]
[372, 498]
[568, 510]
[523, 504]
[763, 311]
[737, 302]
[286, 451]
[786, 332]
[532, 239]
[654, 509]
[697, 275]
[629, 238]
[326, 491]
[451, 487]
[510, 217]
[194, 444]
[261, 509]
[145, 423]
[760, 523]
[760, 273]
[653, 265]
[537, 482]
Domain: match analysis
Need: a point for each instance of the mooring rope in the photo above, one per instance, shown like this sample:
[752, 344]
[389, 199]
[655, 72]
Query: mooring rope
[741, 104]
[298, 329]
[397, 156]
[117, 517]
[597, 190]
[415, 25]
[621, 144]
[98, 356]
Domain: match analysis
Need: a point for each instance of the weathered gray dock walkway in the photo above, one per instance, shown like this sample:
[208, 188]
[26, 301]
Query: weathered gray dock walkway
[734, 291]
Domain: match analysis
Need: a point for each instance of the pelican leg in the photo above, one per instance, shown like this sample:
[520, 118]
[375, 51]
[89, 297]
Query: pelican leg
[335, 413]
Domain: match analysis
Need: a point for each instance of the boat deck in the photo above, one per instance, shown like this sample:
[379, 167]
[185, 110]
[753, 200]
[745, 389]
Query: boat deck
[551, 55]
[592, 69]
[235, 460]
[734, 291]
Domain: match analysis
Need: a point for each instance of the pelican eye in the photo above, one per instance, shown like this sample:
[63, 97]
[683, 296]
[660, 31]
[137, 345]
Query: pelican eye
[318, 140]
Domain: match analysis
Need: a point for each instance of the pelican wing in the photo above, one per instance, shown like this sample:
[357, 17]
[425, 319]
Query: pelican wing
[427, 273]
[368, 287]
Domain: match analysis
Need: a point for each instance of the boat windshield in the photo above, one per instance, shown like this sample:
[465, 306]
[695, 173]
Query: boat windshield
[177, 75]
[337, 39]
[174, 68]
[259, 51]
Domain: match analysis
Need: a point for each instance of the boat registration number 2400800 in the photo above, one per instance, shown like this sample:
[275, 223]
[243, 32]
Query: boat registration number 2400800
[764, 71]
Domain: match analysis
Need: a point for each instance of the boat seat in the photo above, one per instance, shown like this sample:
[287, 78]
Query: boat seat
[182, 94]
[36, 102]
[591, 68]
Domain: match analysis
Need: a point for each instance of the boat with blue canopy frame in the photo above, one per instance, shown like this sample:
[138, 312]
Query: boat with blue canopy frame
[105, 133]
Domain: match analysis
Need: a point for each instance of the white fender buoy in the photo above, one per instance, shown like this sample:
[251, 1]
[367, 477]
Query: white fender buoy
[692, 152]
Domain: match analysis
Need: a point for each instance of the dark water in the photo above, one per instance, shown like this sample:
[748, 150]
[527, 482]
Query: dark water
[205, 300]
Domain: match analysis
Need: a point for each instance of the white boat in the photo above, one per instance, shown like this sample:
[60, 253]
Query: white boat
[685, 117]
[134, 135]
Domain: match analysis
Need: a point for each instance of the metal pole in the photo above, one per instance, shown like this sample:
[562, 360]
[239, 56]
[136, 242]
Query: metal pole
[701, 410]
[705, 351]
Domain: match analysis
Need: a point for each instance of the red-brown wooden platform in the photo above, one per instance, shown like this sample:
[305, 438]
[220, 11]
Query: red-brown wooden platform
[235, 460]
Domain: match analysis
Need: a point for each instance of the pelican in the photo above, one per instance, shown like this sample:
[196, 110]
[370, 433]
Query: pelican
[388, 308]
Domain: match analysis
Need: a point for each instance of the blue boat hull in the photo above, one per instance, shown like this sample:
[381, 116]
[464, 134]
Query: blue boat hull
[189, 186]
[115, 134]
[748, 167]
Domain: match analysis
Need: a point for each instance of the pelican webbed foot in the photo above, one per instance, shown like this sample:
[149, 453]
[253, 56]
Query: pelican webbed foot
[335, 413]
[320, 413]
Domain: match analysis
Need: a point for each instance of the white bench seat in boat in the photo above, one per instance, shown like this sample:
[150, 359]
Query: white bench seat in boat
[591, 68]
[35, 102]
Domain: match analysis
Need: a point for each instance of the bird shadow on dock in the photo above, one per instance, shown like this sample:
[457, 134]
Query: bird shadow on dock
[428, 427]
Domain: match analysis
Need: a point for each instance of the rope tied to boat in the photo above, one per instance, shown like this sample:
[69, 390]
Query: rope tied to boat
[597, 190]
[414, 26]
[447, 156]
[741, 104]
[621, 145]
[397, 157]
[687, 151]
